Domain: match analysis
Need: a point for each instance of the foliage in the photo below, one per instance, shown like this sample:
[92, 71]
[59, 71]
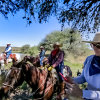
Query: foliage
[25, 48]
[23, 86]
[33, 51]
[70, 39]
[83, 14]
[74, 67]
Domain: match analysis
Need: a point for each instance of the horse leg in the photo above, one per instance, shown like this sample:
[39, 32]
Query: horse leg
[5, 61]
[0, 71]
[49, 95]
[2, 65]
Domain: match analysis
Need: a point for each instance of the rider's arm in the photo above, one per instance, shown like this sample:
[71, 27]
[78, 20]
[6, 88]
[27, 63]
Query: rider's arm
[59, 60]
[80, 79]
[8, 49]
[90, 94]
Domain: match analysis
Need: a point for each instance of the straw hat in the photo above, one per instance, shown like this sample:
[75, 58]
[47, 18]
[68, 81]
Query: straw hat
[57, 44]
[8, 44]
[41, 47]
[96, 39]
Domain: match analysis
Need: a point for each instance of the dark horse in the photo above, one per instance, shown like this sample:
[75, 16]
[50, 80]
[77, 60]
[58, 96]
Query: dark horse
[41, 81]
[35, 60]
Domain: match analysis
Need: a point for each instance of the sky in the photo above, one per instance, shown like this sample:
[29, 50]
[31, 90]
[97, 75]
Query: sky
[15, 30]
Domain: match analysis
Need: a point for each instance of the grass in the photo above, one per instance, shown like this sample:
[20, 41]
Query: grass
[74, 67]
[8, 66]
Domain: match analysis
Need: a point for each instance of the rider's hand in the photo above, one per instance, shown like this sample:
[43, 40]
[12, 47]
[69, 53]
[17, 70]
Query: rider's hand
[50, 68]
[73, 90]
[54, 65]
[69, 79]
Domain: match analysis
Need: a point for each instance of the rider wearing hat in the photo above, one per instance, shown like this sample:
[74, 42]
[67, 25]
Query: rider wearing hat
[8, 51]
[42, 55]
[56, 60]
[91, 71]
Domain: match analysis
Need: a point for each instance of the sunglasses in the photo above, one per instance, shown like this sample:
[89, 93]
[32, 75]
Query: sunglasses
[96, 45]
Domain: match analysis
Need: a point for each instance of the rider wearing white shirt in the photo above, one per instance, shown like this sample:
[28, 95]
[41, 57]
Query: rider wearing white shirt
[8, 51]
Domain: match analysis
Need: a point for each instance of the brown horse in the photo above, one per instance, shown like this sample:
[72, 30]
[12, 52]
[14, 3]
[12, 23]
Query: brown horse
[41, 81]
[35, 60]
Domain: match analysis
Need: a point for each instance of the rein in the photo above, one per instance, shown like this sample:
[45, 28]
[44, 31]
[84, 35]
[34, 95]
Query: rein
[8, 85]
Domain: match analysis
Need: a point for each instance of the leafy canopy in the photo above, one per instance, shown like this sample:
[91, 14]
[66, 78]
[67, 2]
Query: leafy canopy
[81, 14]
[70, 39]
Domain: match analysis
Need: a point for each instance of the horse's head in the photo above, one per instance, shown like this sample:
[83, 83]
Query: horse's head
[67, 71]
[28, 58]
[13, 79]
[34, 60]
[13, 57]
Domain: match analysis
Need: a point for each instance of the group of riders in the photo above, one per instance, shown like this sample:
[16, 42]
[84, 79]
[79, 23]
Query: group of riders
[90, 73]
[55, 59]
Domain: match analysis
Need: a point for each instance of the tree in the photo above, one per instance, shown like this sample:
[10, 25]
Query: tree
[25, 48]
[70, 39]
[33, 51]
[81, 14]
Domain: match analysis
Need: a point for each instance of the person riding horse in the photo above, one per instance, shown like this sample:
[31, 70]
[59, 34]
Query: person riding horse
[8, 51]
[56, 60]
[41, 55]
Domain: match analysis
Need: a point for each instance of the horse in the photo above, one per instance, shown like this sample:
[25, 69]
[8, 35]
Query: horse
[35, 60]
[41, 81]
[13, 57]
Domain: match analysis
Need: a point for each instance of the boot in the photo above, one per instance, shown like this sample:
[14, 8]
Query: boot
[62, 91]
[5, 61]
[60, 95]
[62, 85]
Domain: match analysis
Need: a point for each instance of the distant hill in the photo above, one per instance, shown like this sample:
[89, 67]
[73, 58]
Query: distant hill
[14, 49]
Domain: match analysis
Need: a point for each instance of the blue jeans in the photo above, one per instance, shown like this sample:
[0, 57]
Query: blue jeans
[41, 61]
[7, 55]
[59, 68]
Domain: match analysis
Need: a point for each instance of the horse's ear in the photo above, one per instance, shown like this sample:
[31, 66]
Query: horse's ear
[14, 63]
[16, 71]
[25, 58]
